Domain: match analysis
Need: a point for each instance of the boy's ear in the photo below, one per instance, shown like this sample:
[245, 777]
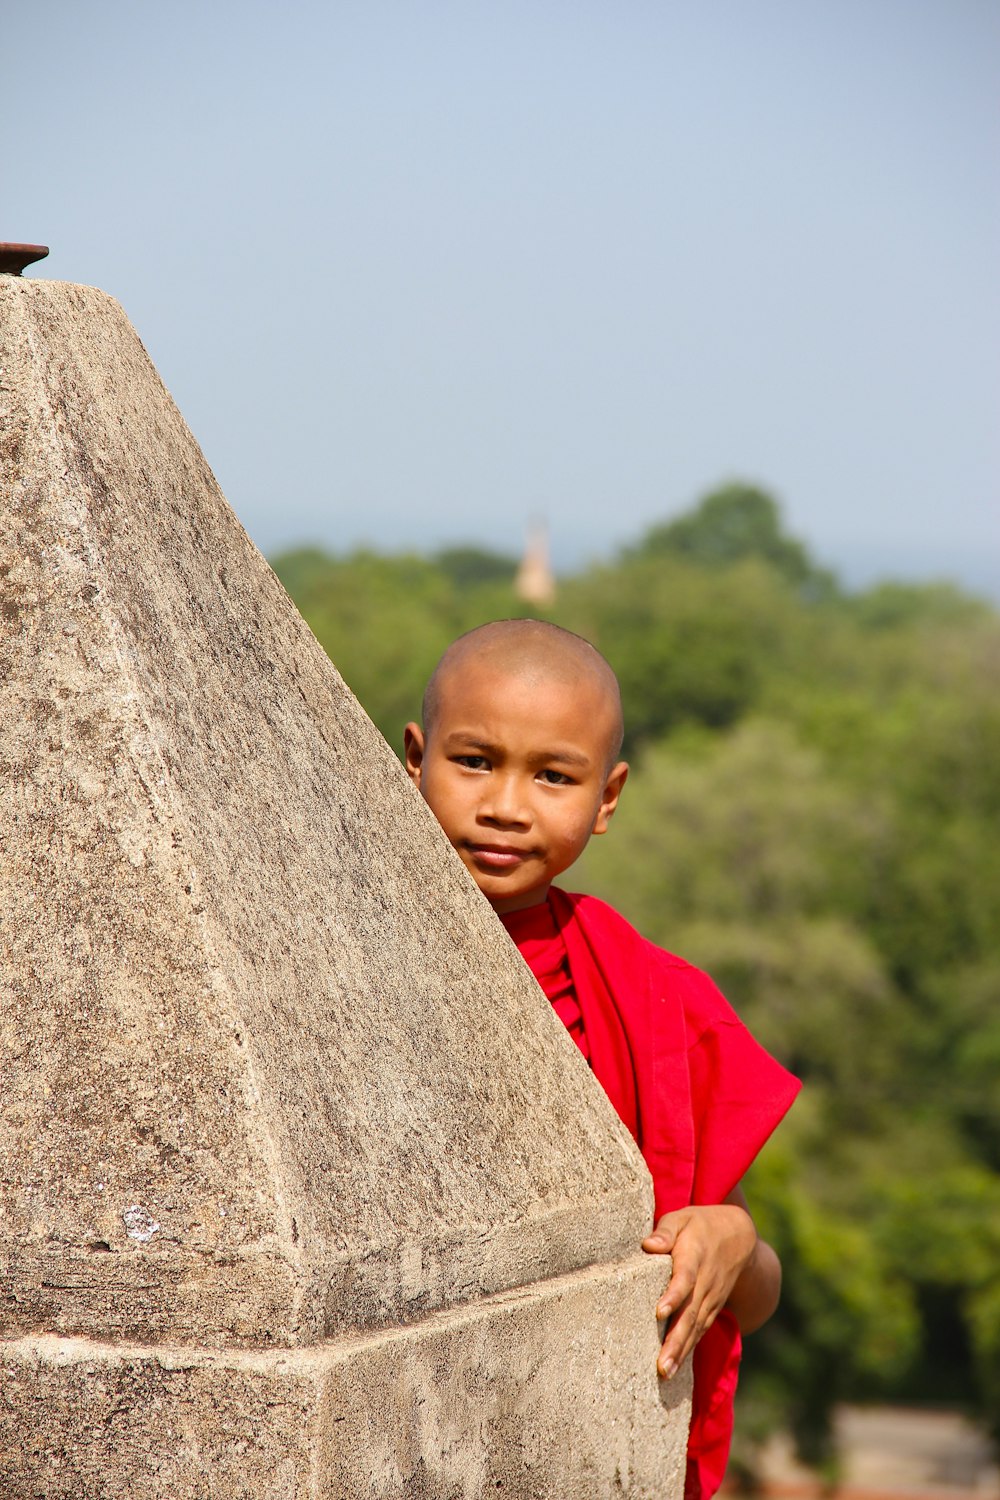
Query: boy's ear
[413, 747]
[617, 777]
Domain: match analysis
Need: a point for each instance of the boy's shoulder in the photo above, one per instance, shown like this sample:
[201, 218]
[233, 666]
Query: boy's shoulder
[604, 924]
[638, 971]
[686, 1043]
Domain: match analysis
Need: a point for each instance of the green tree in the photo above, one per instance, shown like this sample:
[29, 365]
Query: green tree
[384, 621]
[688, 647]
[470, 566]
[733, 523]
[849, 1321]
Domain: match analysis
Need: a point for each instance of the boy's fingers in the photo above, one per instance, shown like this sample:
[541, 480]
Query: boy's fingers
[672, 1355]
[682, 1339]
[673, 1351]
[664, 1235]
[676, 1292]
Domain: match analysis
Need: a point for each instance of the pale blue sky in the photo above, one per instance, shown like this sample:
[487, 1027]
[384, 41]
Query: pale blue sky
[418, 272]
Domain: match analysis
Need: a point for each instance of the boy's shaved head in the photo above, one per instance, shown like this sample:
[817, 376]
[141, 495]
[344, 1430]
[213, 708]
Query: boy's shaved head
[532, 650]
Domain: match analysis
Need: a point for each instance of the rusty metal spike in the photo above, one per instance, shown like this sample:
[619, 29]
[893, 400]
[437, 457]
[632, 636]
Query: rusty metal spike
[14, 258]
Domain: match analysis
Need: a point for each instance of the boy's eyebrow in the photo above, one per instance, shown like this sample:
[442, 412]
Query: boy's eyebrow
[458, 739]
[568, 757]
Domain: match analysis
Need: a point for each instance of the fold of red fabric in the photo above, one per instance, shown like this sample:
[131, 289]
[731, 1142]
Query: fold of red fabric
[704, 1093]
[698, 1093]
[543, 948]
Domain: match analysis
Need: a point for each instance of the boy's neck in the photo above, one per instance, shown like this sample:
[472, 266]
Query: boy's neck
[520, 903]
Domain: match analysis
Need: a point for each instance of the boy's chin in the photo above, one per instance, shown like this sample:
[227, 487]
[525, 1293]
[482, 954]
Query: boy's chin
[503, 905]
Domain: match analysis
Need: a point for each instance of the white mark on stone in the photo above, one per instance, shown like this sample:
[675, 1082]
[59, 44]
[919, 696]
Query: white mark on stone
[139, 1225]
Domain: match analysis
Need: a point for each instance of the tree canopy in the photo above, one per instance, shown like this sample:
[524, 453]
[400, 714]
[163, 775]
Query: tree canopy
[733, 523]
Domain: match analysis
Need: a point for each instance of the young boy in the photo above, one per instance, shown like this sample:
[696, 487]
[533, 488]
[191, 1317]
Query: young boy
[518, 760]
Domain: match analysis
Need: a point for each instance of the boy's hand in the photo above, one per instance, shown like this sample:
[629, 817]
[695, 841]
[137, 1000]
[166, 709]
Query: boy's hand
[712, 1247]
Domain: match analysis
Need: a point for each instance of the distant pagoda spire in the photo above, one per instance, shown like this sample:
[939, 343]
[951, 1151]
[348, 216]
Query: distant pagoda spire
[535, 582]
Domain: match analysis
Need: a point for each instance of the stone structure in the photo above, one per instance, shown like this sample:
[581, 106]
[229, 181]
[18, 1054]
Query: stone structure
[535, 582]
[304, 1191]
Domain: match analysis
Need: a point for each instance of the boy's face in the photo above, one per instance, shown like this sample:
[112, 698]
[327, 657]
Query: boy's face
[515, 768]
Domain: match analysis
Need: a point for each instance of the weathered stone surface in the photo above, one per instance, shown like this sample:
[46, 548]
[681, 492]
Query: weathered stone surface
[271, 1071]
[546, 1392]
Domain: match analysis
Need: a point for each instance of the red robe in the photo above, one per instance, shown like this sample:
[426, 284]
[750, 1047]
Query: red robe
[698, 1093]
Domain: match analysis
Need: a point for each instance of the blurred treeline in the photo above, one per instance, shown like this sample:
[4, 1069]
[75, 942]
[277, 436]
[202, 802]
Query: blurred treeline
[812, 816]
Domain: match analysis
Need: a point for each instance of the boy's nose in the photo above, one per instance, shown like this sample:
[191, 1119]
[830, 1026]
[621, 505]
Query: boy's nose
[505, 803]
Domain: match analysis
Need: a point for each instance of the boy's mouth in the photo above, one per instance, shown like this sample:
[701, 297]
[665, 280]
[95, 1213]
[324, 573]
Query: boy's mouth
[496, 856]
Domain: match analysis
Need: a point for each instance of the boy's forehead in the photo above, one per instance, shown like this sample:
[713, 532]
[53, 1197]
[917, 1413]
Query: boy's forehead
[491, 699]
[489, 675]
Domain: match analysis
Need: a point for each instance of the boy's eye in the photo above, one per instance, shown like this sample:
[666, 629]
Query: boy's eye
[473, 762]
[555, 778]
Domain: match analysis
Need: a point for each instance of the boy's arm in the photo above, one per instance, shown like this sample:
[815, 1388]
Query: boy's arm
[757, 1290]
[718, 1262]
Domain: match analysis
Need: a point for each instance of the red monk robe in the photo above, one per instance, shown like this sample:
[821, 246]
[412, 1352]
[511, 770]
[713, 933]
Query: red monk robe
[699, 1095]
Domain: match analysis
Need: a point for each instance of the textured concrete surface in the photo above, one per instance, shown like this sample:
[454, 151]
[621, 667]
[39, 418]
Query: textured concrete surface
[271, 1071]
[546, 1392]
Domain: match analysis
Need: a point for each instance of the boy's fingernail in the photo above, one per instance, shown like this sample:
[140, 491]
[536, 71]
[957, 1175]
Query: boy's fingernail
[663, 1310]
[668, 1368]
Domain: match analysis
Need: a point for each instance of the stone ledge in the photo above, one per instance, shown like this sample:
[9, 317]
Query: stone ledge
[547, 1391]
